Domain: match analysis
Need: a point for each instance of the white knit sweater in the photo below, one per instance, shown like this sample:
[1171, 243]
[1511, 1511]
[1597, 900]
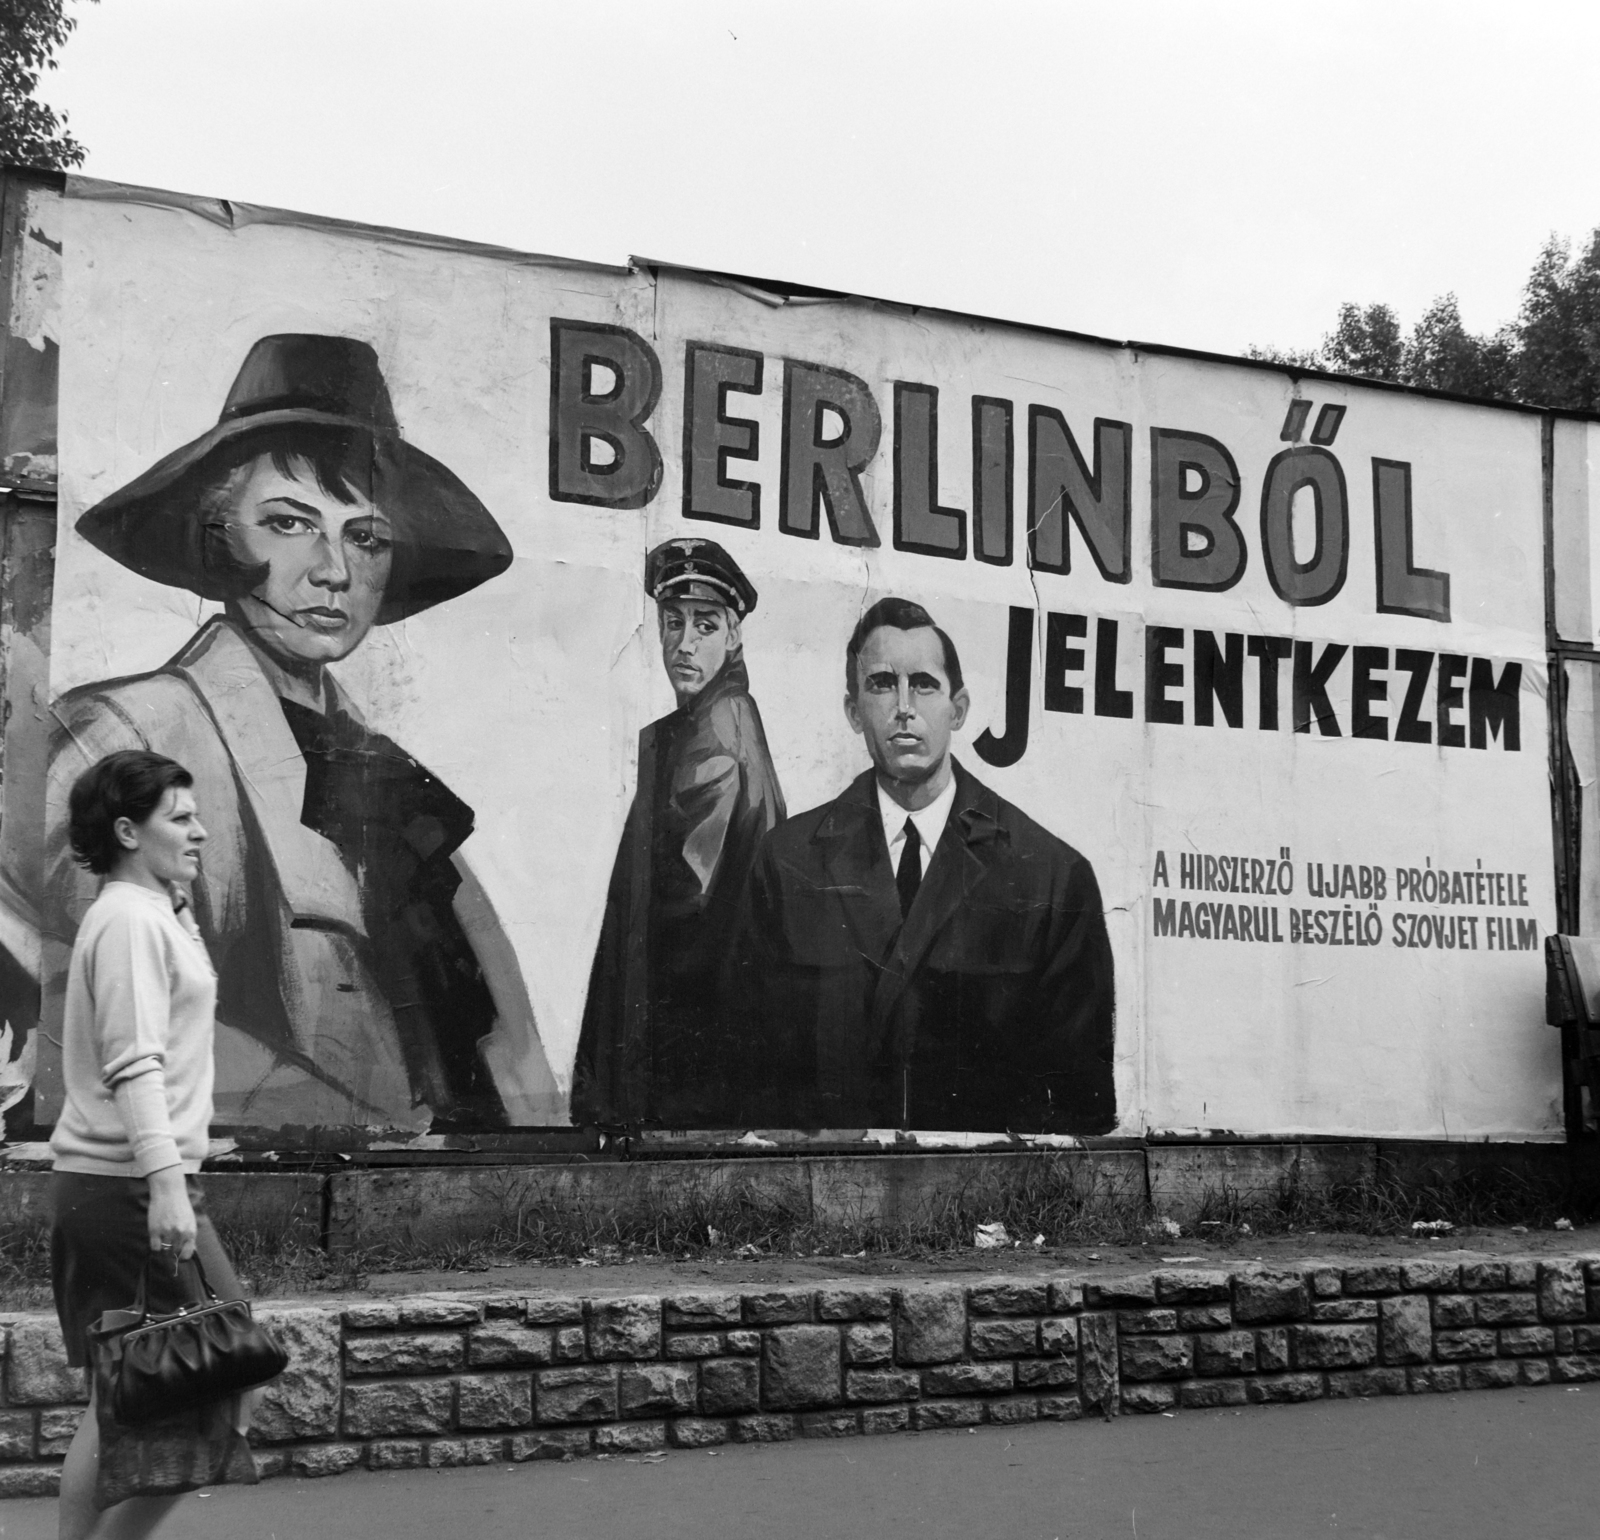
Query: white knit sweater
[136, 1045]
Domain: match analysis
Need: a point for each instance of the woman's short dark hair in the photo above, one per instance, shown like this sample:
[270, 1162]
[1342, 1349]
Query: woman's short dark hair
[128, 784]
[902, 615]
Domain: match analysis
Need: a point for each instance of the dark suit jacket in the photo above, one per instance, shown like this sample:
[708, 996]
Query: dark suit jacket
[990, 1009]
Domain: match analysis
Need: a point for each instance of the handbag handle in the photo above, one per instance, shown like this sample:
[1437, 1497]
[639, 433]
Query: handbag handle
[199, 1293]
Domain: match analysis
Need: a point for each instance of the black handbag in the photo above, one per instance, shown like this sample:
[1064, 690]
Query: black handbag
[147, 1367]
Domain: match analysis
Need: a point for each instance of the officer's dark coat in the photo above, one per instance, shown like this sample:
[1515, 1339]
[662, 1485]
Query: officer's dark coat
[654, 1038]
[989, 1009]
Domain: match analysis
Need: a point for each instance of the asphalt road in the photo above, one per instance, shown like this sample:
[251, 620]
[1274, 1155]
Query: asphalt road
[1484, 1466]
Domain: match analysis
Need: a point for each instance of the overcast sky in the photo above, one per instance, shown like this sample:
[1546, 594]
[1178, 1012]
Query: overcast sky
[1208, 174]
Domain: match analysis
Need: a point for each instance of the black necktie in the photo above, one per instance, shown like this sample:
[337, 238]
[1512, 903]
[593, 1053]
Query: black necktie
[909, 878]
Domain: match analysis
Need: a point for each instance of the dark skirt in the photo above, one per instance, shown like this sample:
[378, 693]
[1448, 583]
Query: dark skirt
[99, 1246]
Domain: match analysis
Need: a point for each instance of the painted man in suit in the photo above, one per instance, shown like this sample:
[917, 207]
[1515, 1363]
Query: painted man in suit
[918, 953]
[654, 1045]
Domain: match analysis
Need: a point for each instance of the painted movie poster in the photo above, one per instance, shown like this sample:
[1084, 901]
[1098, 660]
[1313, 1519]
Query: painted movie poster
[640, 700]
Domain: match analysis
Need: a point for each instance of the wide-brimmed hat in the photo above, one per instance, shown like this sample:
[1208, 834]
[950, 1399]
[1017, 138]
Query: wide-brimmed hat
[691, 568]
[445, 541]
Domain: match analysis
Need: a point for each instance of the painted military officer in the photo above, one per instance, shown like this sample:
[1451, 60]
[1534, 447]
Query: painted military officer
[653, 1047]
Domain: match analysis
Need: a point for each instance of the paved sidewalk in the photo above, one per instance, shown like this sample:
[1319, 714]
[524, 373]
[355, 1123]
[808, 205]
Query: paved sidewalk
[1523, 1464]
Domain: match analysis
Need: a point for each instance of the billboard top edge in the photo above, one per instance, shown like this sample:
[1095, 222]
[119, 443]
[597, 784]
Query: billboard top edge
[234, 214]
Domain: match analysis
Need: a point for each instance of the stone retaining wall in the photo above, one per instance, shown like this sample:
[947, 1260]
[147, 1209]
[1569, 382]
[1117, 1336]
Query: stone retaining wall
[475, 1378]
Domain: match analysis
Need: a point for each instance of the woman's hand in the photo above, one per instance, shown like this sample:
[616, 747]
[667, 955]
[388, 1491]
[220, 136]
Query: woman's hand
[172, 1222]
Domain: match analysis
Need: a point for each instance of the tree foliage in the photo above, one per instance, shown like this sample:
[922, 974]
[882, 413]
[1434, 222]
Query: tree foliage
[1548, 356]
[32, 134]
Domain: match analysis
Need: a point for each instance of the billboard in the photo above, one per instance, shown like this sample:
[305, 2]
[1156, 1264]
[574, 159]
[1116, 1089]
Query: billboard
[644, 698]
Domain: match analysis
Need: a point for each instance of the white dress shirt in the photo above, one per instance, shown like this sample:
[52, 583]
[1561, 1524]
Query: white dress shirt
[930, 822]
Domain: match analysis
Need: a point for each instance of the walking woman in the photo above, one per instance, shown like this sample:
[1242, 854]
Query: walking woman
[137, 1062]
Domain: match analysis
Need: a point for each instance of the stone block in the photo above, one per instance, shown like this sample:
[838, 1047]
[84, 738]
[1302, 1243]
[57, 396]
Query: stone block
[1405, 1329]
[697, 1432]
[871, 1343]
[1522, 1273]
[445, 1453]
[729, 1386]
[1192, 1286]
[552, 1310]
[1534, 1371]
[841, 1302]
[396, 1454]
[1284, 1387]
[630, 1437]
[1367, 1382]
[1455, 1346]
[1225, 1352]
[829, 1424]
[1156, 1358]
[1145, 1322]
[1058, 1335]
[1067, 1294]
[549, 1444]
[625, 1328]
[502, 1343]
[502, 1307]
[1061, 1408]
[1004, 1337]
[870, 1385]
[800, 1366]
[58, 1425]
[426, 1352]
[1508, 1309]
[966, 1380]
[428, 1310]
[743, 1342]
[569, 1344]
[1430, 1277]
[1097, 1339]
[16, 1435]
[1006, 1297]
[379, 1315]
[1014, 1409]
[30, 1480]
[1525, 1341]
[1562, 1296]
[1334, 1347]
[494, 1401]
[1205, 1318]
[885, 1419]
[1373, 1278]
[1344, 1310]
[1452, 1311]
[1272, 1350]
[576, 1395]
[1570, 1369]
[1149, 1397]
[1498, 1375]
[777, 1307]
[1433, 1379]
[271, 1462]
[695, 1344]
[1326, 1282]
[1564, 1339]
[1268, 1296]
[932, 1323]
[947, 1414]
[1201, 1394]
[701, 1310]
[1479, 1276]
[324, 1459]
[37, 1371]
[1137, 1292]
[656, 1389]
[763, 1429]
[1582, 1339]
[1047, 1373]
[383, 1408]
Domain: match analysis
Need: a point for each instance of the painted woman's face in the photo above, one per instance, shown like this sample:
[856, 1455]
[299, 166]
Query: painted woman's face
[328, 564]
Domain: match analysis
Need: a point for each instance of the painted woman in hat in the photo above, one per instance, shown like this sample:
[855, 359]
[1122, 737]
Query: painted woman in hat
[652, 1048]
[363, 976]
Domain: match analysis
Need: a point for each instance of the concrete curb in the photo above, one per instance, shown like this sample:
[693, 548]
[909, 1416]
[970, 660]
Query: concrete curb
[474, 1378]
